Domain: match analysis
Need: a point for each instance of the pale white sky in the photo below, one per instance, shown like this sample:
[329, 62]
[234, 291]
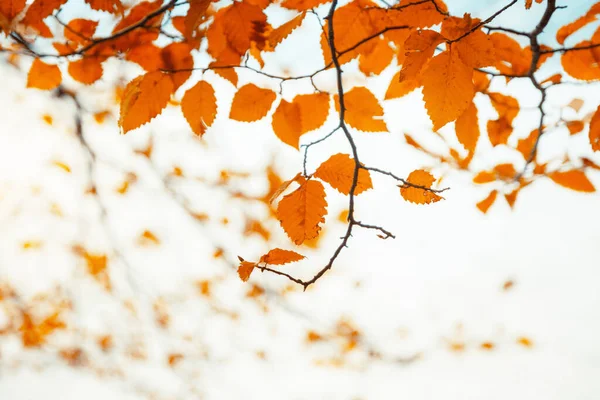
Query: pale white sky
[440, 280]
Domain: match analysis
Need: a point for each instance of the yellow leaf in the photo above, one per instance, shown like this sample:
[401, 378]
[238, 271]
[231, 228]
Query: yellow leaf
[338, 171]
[251, 103]
[301, 212]
[62, 166]
[421, 195]
[199, 107]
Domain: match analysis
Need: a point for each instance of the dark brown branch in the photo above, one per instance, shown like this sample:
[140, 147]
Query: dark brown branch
[404, 181]
[485, 21]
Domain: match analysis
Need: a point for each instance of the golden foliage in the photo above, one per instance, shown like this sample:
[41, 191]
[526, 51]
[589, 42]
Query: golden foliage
[301, 212]
[338, 171]
[421, 194]
[199, 107]
[251, 103]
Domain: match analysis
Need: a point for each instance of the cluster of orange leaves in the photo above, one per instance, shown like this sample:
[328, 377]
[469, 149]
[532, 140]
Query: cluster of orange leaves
[444, 55]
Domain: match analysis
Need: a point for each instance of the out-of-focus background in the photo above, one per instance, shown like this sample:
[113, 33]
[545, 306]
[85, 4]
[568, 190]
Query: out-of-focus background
[118, 269]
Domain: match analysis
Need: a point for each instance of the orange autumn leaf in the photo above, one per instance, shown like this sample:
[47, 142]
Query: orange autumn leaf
[38, 11]
[574, 179]
[594, 134]
[528, 3]
[510, 57]
[111, 6]
[567, 30]
[148, 238]
[399, 89]
[251, 103]
[506, 106]
[486, 203]
[467, 128]
[87, 70]
[43, 76]
[80, 30]
[9, 9]
[280, 257]
[199, 107]
[555, 79]
[194, 16]
[34, 335]
[275, 192]
[484, 177]
[374, 60]
[338, 171]
[143, 99]
[525, 146]
[301, 212]
[245, 269]
[582, 64]
[282, 32]
[511, 197]
[476, 49]
[363, 111]
[499, 130]
[447, 88]
[303, 114]
[235, 27]
[419, 47]
[575, 126]
[419, 195]
[302, 5]
[177, 57]
[505, 171]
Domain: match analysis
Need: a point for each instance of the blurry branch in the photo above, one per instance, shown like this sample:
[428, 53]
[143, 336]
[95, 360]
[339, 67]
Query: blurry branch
[482, 23]
[93, 189]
